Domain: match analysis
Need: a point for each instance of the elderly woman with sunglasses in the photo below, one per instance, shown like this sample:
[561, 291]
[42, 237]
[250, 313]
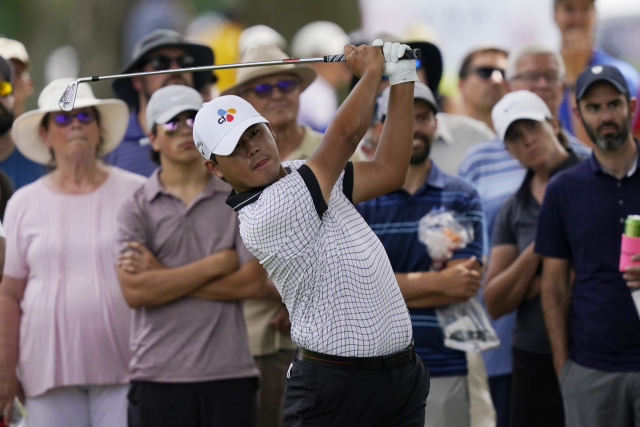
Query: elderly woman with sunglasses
[64, 325]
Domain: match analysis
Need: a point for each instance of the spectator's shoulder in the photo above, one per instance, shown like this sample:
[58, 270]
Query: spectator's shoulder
[568, 178]
[454, 183]
[480, 153]
[128, 177]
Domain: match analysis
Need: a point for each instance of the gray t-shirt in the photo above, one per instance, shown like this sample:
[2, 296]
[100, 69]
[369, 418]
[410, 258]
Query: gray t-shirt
[516, 224]
[189, 339]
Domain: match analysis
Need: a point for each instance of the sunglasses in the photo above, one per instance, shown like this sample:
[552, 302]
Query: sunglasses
[162, 62]
[265, 90]
[172, 126]
[486, 72]
[65, 119]
[5, 88]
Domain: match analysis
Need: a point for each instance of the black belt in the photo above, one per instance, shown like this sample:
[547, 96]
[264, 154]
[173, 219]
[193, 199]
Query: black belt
[357, 363]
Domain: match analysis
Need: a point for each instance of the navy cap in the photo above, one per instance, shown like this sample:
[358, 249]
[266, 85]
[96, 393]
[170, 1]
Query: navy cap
[6, 70]
[598, 73]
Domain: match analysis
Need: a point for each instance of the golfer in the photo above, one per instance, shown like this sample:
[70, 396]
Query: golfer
[355, 364]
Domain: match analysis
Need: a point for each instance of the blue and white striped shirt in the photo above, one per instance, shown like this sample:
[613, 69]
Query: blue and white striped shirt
[394, 218]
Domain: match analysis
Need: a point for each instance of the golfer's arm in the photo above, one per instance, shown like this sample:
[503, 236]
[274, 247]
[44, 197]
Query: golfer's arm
[387, 170]
[155, 287]
[249, 281]
[345, 131]
[11, 293]
[555, 294]
[508, 278]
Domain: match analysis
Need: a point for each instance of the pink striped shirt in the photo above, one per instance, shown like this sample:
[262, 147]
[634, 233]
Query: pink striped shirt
[74, 328]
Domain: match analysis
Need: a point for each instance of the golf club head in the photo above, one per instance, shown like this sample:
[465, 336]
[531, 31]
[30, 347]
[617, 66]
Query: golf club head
[68, 98]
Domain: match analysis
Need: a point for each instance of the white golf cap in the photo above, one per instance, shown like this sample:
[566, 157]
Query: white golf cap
[518, 105]
[220, 124]
[169, 101]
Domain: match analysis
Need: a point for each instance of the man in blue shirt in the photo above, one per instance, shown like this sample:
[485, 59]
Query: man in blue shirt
[576, 20]
[394, 218]
[593, 326]
[159, 50]
[18, 168]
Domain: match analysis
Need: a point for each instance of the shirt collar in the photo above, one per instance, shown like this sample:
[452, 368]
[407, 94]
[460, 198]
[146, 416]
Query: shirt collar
[153, 187]
[435, 179]
[595, 166]
[237, 201]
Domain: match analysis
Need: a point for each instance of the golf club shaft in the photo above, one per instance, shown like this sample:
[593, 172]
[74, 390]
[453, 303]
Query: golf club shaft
[67, 100]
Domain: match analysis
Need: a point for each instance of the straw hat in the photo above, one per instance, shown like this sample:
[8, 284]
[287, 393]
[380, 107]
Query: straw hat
[269, 53]
[114, 119]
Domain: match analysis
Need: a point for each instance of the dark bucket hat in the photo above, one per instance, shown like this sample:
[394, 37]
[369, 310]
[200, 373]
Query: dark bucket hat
[203, 55]
[431, 62]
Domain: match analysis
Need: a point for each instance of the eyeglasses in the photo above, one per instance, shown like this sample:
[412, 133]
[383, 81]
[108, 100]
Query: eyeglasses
[171, 127]
[65, 119]
[486, 72]
[551, 77]
[5, 88]
[265, 90]
[162, 62]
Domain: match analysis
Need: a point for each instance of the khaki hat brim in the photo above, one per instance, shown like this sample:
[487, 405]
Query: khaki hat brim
[306, 74]
[114, 120]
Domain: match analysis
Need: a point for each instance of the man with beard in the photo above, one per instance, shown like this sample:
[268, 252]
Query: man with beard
[19, 169]
[160, 50]
[426, 284]
[597, 354]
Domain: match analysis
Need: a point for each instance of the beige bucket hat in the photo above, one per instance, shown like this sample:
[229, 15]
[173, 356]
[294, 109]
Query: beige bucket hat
[269, 53]
[114, 119]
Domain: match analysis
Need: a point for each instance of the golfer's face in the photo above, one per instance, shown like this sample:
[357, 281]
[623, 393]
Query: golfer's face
[254, 163]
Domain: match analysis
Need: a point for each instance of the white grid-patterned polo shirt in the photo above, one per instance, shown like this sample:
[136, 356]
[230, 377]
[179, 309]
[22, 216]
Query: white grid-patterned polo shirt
[332, 271]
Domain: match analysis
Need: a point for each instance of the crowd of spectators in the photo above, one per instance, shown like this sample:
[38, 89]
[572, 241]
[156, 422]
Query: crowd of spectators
[129, 298]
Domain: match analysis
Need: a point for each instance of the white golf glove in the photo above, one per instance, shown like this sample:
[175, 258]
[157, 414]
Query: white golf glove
[398, 71]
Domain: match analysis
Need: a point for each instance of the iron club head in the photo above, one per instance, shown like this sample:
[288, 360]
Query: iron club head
[68, 98]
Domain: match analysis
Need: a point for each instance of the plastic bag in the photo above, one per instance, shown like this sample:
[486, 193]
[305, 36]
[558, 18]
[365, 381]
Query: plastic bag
[465, 325]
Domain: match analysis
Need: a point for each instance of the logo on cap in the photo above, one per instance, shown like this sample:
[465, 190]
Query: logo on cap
[199, 146]
[597, 69]
[226, 115]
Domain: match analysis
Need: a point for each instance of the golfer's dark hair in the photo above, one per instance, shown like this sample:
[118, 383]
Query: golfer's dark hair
[213, 158]
[155, 155]
[44, 124]
[465, 68]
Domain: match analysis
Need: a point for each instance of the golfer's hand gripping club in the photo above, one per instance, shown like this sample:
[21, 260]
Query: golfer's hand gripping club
[68, 98]
[397, 67]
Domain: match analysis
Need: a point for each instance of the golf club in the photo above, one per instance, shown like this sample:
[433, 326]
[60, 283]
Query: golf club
[68, 98]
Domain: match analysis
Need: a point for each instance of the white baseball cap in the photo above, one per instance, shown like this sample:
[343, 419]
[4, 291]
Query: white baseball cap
[169, 101]
[220, 124]
[518, 105]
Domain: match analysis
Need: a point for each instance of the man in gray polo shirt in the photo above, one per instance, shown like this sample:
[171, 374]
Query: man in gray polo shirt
[182, 269]
[355, 365]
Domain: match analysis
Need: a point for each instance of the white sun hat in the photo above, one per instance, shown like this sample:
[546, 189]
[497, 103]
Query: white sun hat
[114, 119]
[220, 124]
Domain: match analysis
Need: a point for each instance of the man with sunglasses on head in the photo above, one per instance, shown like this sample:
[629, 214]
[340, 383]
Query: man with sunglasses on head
[183, 268]
[20, 170]
[274, 91]
[160, 50]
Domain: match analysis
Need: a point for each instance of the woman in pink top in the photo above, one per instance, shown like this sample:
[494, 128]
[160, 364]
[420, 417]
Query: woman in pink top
[64, 325]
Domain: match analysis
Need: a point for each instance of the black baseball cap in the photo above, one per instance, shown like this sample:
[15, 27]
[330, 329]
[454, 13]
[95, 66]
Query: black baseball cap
[600, 73]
